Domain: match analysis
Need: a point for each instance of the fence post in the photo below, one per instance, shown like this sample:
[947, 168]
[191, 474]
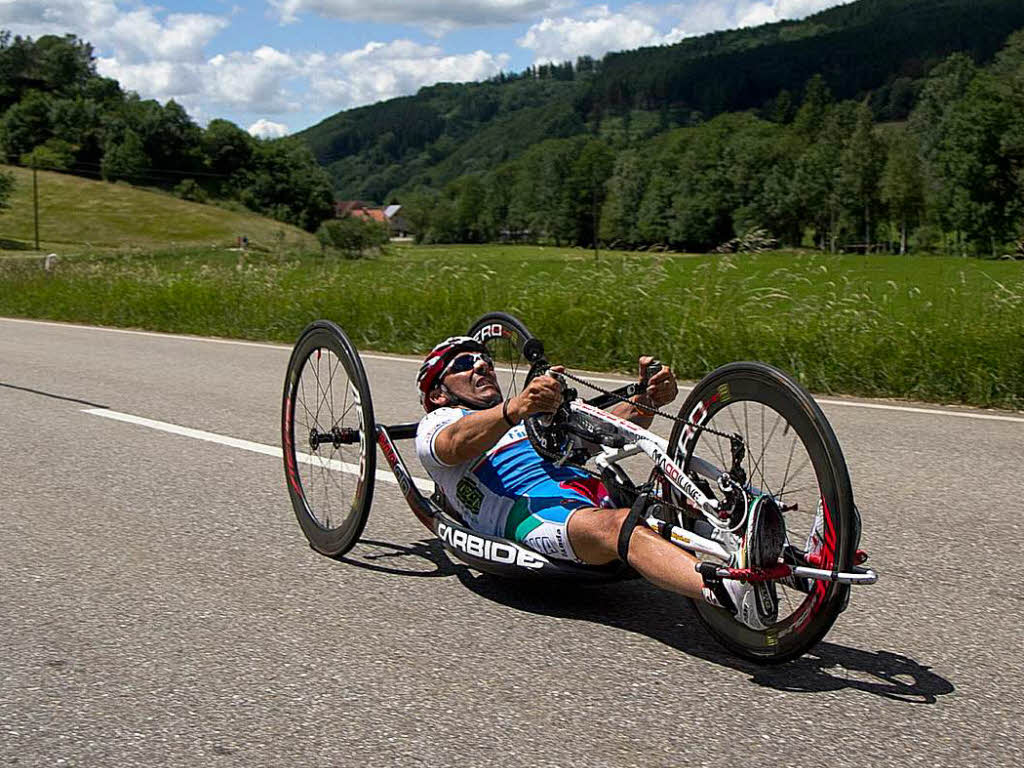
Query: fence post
[35, 200]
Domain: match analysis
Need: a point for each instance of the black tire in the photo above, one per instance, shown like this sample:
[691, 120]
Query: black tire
[776, 416]
[504, 336]
[330, 483]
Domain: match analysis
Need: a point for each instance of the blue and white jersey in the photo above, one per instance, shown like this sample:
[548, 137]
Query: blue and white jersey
[485, 489]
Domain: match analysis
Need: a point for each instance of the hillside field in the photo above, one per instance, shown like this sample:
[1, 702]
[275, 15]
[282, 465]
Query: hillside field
[927, 328]
[79, 215]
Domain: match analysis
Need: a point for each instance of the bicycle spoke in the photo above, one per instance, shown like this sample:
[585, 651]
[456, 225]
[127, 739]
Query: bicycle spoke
[789, 462]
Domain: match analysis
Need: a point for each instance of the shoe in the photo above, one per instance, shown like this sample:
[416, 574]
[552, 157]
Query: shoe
[754, 604]
[816, 538]
[815, 544]
[812, 553]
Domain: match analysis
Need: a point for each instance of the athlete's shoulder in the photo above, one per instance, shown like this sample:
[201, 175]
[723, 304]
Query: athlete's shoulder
[438, 419]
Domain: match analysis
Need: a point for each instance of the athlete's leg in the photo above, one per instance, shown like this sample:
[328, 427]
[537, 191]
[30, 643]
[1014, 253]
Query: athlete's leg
[594, 536]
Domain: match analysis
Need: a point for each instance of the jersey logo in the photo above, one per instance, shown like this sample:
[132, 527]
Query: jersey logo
[469, 495]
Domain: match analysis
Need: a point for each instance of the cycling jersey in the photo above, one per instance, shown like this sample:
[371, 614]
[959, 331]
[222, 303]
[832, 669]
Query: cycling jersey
[510, 491]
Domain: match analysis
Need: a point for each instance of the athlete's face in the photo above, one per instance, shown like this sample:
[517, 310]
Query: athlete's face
[477, 384]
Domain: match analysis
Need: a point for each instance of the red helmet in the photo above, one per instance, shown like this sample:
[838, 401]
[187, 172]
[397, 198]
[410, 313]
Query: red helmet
[438, 359]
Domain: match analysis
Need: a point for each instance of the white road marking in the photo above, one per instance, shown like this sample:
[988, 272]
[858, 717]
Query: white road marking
[247, 445]
[416, 361]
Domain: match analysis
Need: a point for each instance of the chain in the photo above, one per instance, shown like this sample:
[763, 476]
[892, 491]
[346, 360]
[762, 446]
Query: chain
[647, 408]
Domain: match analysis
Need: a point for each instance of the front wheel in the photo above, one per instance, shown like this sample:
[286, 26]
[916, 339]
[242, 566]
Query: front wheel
[792, 455]
[328, 438]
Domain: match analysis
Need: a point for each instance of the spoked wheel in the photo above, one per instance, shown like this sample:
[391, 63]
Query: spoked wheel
[504, 336]
[791, 454]
[328, 438]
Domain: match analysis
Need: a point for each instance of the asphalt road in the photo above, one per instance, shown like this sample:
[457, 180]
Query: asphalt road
[159, 605]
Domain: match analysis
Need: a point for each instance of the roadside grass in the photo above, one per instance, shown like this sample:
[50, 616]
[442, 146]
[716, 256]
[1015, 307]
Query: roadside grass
[929, 328]
[79, 215]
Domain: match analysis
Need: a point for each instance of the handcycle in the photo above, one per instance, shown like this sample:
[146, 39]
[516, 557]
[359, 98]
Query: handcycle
[746, 433]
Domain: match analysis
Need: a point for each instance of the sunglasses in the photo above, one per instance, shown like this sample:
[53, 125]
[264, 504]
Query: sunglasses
[467, 362]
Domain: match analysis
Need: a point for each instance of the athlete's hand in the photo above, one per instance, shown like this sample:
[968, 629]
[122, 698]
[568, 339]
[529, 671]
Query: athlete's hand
[542, 395]
[661, 387]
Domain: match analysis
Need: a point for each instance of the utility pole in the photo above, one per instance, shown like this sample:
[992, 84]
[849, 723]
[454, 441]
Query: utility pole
[35, 199]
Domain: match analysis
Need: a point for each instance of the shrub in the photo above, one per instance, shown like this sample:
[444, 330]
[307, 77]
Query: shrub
[189, 189]
[53, 155]
[352, 236]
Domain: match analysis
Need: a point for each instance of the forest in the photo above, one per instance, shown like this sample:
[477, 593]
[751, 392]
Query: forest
[57, 113]
[948, 179]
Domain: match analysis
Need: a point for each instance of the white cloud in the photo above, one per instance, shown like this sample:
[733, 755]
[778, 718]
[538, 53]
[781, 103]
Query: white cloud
[797, 9]
[437, 16]
[253, 79]
[597, 32]
[154, 79]
[266, 129]
[132, 36]
[384, 70]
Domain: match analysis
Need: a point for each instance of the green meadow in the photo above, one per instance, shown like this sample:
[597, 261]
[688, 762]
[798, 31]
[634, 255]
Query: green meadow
[927, 328]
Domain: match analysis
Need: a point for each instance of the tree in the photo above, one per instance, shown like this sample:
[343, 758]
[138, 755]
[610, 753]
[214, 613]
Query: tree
[285, 182]
[974, 166]
[586, 187]
[625, 191]
[226, 147]
[26, 125]
[810, 118]
[6, 189]
[54, 155]
[124, 157]
[902, 185]
[816, 181]
[860, 171]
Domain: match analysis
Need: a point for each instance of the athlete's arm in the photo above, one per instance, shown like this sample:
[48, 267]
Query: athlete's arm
[661, 390]
[476, 433]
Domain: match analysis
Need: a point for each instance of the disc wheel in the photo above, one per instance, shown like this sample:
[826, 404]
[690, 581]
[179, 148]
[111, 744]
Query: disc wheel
[328, 438]
[793, 455]
[504, 336]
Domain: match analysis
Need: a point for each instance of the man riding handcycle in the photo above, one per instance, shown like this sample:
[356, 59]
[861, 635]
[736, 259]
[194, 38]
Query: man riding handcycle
[747, 510]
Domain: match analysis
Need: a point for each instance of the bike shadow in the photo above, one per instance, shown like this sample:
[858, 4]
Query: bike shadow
[636, 606]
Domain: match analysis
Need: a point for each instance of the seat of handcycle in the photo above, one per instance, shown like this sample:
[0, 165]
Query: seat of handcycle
[503, 557]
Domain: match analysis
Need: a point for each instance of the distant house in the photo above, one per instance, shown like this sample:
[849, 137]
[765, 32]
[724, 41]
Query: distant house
[370, 214]
[343, 208]
[391, 216]
[397, 222]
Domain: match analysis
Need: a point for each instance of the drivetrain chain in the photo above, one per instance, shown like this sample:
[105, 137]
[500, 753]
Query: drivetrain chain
[647, 408]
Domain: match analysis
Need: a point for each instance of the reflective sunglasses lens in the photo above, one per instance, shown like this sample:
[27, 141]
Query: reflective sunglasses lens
[468, 362]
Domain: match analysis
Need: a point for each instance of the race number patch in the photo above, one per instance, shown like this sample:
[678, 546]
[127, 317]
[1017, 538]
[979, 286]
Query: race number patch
[469, 495]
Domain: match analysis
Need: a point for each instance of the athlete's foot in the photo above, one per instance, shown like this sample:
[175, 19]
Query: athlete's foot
[755, 604]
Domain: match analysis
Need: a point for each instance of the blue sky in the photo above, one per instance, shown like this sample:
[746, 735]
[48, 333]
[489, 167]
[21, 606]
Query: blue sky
[278, 66]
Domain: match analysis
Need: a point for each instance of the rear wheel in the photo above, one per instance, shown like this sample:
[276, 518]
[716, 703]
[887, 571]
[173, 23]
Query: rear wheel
[328, 438]
[504, 336]
[791, 454]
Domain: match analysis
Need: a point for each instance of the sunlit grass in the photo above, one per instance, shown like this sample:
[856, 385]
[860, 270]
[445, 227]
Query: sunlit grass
[940, 329]
[80, 215]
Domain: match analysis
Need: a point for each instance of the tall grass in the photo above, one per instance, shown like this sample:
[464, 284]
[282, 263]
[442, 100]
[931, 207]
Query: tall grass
[937, 329]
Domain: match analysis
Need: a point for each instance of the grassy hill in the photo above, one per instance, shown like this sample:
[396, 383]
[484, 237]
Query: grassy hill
[77, 215]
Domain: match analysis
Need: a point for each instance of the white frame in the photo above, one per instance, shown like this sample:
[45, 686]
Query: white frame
[640, 440]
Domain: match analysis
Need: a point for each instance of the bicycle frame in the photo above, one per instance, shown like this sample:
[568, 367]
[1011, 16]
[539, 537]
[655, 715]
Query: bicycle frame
[640, 440]
[501, 556]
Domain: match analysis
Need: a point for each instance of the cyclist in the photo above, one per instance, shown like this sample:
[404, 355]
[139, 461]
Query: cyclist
[473, 445]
